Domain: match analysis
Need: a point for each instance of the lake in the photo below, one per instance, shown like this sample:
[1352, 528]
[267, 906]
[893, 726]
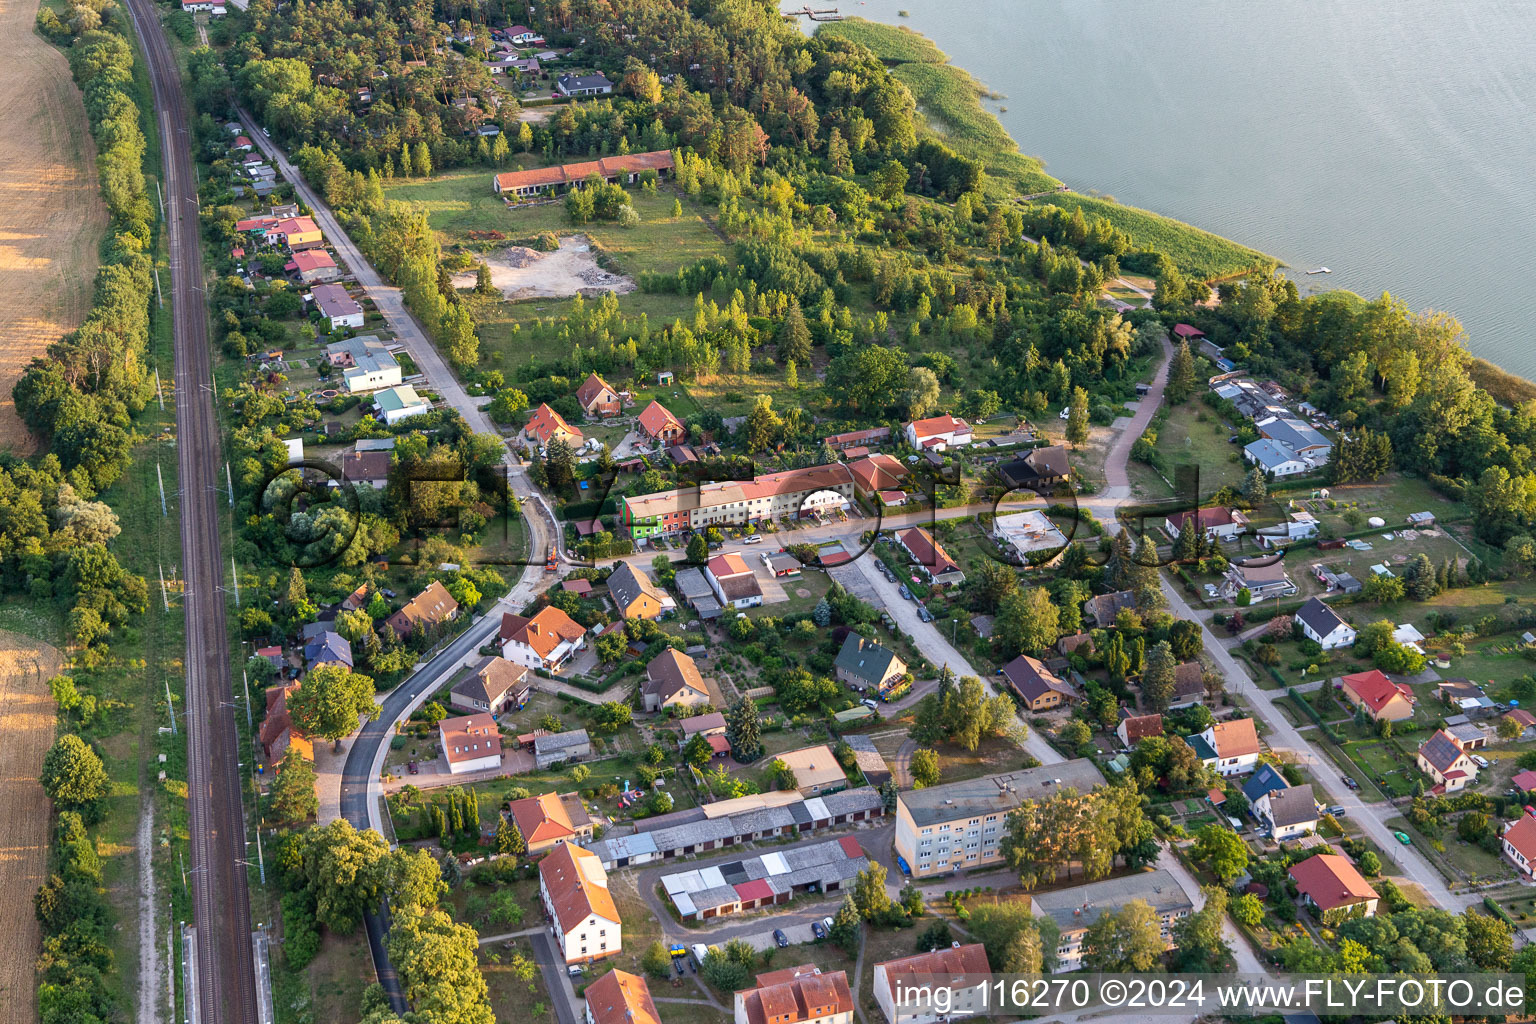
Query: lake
[1391, 142]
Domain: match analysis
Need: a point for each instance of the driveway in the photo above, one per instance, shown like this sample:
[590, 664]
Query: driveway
[1117, 480]
[931, 642]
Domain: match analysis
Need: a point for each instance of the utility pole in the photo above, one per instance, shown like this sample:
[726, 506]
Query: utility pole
[160, 299]
[245, 680]
[170, 707]
[165, 598]
[234, 572]
[229, 482]
[161, 478]
[159, 391]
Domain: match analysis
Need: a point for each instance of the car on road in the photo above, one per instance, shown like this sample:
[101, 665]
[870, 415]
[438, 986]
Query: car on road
[818, 930]
[906, 595]
[780, 939]
[1403, 838]
[1351, 783]
[924, 614]
[412, 768]
[754, 539]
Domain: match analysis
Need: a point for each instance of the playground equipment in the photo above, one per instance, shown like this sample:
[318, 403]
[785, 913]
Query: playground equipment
[630, 796]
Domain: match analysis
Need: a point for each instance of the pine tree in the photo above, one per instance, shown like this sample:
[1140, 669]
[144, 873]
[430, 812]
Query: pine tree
[1181, 374]
[298, 590]
[1157, 679]
[503, 836]
[794, 336]
[791, 376]
[421, 159]
[405, 160]
[1255, 487]
[744, 730]
[455, 814]
[471, 813]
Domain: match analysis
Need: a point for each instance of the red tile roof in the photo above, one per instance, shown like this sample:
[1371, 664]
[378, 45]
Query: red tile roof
[757, 889]
[1140, 727]
[1375, 690]
[1522, 836]
[929, 553]
[542, 632]
[577, 886]
[545, 423]
[1331, 881]
[951, 960]
[1235, 738]
[935, 426]
[851, 846]
[656, 419]
[1525, 780]
[542, 819]
[619, 997]
[469, 738]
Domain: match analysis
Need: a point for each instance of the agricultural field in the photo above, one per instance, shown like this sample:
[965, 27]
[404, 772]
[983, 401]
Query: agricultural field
[26, 732]
[50, 207]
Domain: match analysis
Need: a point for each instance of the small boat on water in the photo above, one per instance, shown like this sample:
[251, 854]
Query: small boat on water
[1320, 270]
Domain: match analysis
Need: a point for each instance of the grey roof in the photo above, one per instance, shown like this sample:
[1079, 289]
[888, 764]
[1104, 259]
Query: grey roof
[584, 82]
[703, 723]
[993, 793]
[868, 660]
[1295, 806]
[1075, 909]
[609, 851]
[675, 818]
[1466, 732]
[1271, 454]
[691, 584]
[550, 742]
[852, 801]
[1293, 433]
[1105, 607]
[626, 584]
[1321, 618]
[369, 354]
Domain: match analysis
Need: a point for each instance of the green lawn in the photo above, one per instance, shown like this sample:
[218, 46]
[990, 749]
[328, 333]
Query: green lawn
[1185, 440]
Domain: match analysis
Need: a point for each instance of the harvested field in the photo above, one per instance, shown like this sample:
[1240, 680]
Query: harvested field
[51, 215]
[26, 732]
[523, 273]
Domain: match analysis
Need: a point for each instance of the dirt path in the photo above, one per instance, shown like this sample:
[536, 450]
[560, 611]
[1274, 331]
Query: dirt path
[26, 732]
[149, 948]
[51, 215]
[1115, 474]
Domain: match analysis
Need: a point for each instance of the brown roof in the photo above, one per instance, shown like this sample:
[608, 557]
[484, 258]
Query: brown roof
[797, 994]
[492, 680]
[469, 737]
[670, 672]
[577, 886]
[277, 733]
[1071, 644]
[878, 472]
[608, 166]
[951, 960]
[1331, 881]
[365, 467]
[928, 552]
[1206, 518]
[1235, 738]
[542, 632]
[1139, 727]
[591, 390]
[656, 418]
[1188, 679]
[431, 606]
[1031, 680]
[619, 997]
[703, 723]
[710, 495]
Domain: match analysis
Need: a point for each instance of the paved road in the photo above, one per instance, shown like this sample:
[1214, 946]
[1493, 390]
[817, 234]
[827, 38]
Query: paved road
[1247, 961]
[225, 961]
[1282, 735]
[568, 1008]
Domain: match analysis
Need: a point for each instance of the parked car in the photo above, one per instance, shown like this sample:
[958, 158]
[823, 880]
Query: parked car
[818, 930]
[1337, 810]
[1480, 760]
[574, 970]
[756, 538]
[924, 614]
[412, 768]
[826, 923]
[1351, 783]
[1402, 837]
[869, 703]
[906, 594]
[780, 939]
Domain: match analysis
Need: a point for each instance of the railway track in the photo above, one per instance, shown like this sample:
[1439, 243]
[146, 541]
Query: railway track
[226, 978]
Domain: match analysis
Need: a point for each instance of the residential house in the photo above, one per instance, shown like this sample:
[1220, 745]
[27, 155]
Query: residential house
[1261, 581]
[657, 423]
[961, 971]
[858, 438]
[546, 424]
[672, 679]
[1036, 686]
[400, 403]
[791, 494]
[1275, 458]
[1297, 435]
[546, 640]
[313, 266]
[938, 433]
[567, 747]
[1297, 526]
[930, 554]
[1465, 696]
[868, 665]
[796, 995]
[366, 469]
[277, 732]
[1042, 469]
[471, 743]
[1332, 886]
[328, 648]
[496, 685]
[365, 362]
[1321, 623]
[1100, 611]
[597, 399]
[583, 85]
[623, 169]
[635, 596]
[341, 309]
[1188, 685]
[1525, 720]
[733, 581]
[549, 819]
[959, 825]
[875, 473]
[574, 889]
[1519, 844]
[428, 609]
[816, 770]
[1288, 812]
[619, 997]
[1444, 760]
[1074, 643]
[1135, 728]
[297, 233]
[1032, 537]
[1266, 780]
[712, 724]
[522, 35]
[1382, 699]
[1075, 910]
[1230, 747]
[1219, 523]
